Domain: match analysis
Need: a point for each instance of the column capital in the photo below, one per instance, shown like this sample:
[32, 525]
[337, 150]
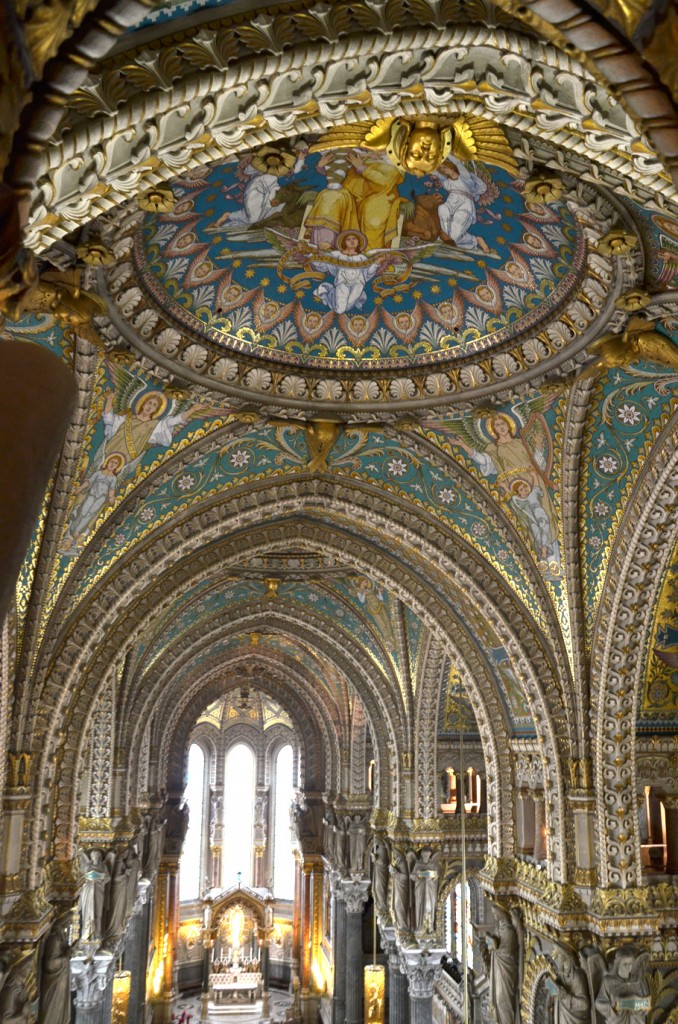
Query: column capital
[423, 970]
[90, 978]
[355, 893]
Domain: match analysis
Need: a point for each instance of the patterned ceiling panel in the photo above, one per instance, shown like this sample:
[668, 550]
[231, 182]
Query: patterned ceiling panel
[629, 409]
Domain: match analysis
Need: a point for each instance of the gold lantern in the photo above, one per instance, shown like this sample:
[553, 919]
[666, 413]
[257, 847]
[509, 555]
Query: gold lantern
[374, 994]
[121, 988]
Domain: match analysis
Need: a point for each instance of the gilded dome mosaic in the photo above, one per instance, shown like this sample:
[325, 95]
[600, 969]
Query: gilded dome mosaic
[337, 259]
[327, 268]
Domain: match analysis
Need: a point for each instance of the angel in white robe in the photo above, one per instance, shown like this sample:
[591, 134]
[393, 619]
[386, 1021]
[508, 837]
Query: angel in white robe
[350, 270]
[260, 190]
[528, 503]
[457, 212]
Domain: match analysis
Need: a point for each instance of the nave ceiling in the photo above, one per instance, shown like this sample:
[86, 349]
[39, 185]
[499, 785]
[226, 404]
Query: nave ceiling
[465, 523]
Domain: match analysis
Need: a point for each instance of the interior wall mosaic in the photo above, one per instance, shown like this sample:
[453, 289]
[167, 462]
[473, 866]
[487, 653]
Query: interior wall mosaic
[659, 705]
[629, 409]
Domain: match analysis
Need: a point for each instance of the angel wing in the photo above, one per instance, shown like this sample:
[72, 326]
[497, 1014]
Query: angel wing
[125, 384]
[465, 430]
[476, 138]
[593, 962]
[365, 134]
[491, 190]
[83, 860]
[537, 437]
[109, 862]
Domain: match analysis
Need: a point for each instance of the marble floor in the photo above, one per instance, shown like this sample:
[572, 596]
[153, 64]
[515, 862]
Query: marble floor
[189, 1005]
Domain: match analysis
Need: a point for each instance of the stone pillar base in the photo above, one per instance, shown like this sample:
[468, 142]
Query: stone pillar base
[310, 1008]
[163, 1007]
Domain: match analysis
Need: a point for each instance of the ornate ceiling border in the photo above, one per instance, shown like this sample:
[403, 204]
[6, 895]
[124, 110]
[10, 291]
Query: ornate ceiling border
[198, 107]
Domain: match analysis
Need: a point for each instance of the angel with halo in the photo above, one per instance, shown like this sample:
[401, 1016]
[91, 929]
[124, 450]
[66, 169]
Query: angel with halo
[519, 458]
[420, 145]
[97, 870]
[619, 987]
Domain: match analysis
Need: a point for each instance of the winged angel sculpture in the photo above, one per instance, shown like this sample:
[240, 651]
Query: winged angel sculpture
[515, 451]
[618, 986]
[97, 869]
[419, 146]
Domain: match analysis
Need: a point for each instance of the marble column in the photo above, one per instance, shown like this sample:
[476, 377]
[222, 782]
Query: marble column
[398, 1002]
[306, 926]
[205, 989]
[339, 948]
[355, 898]
[134, 961]
[91, 980]
[423, 970]
[265, 977]
[539, 827]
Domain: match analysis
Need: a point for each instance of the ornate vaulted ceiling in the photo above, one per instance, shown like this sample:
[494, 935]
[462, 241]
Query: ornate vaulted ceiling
[339, 420]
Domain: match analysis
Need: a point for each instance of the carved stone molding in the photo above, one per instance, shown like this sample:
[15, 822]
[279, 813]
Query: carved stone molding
[423, 970]
[90, 979]
[355, 895]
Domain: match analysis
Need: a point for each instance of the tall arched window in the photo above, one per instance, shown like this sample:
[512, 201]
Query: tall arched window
[238, 816]
[190, 868]
[283, 858]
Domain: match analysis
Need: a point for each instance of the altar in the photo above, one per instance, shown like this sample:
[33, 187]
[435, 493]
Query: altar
[237, 926]
[235, 990]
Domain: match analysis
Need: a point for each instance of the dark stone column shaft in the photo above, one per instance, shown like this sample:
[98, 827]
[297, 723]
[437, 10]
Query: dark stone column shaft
[354, 968]
[421, 1010]
[398, 1001]
[339, 995]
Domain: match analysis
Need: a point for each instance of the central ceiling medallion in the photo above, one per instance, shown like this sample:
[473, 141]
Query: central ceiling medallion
[387, 249]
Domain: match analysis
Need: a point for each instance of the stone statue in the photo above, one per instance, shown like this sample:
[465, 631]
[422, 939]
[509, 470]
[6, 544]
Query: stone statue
[570, 991]
[132, 861]
[97, 871]
[340, 845]
[504, 970]
[118, 904]
[176, 826]
[380, 863]
[156, 842]
[55, 978]
[400, 892]
[356, 844]
[13, 995]
[624, 994]
[329, 821]
[425, 877]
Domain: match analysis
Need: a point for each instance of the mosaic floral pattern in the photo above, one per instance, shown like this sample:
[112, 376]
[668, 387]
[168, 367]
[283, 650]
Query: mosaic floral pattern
[41, 329]
[336, 259]
[629, 409]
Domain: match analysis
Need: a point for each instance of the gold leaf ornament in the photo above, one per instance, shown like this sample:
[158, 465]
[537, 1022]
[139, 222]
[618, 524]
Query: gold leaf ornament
[543, 188]
[633, 300]
[617, 243]
[420, 145]
[159, 199]
[95, 254]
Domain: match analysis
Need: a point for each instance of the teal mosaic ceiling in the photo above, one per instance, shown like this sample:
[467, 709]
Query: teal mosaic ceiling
[335, 259]
[629, 410]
